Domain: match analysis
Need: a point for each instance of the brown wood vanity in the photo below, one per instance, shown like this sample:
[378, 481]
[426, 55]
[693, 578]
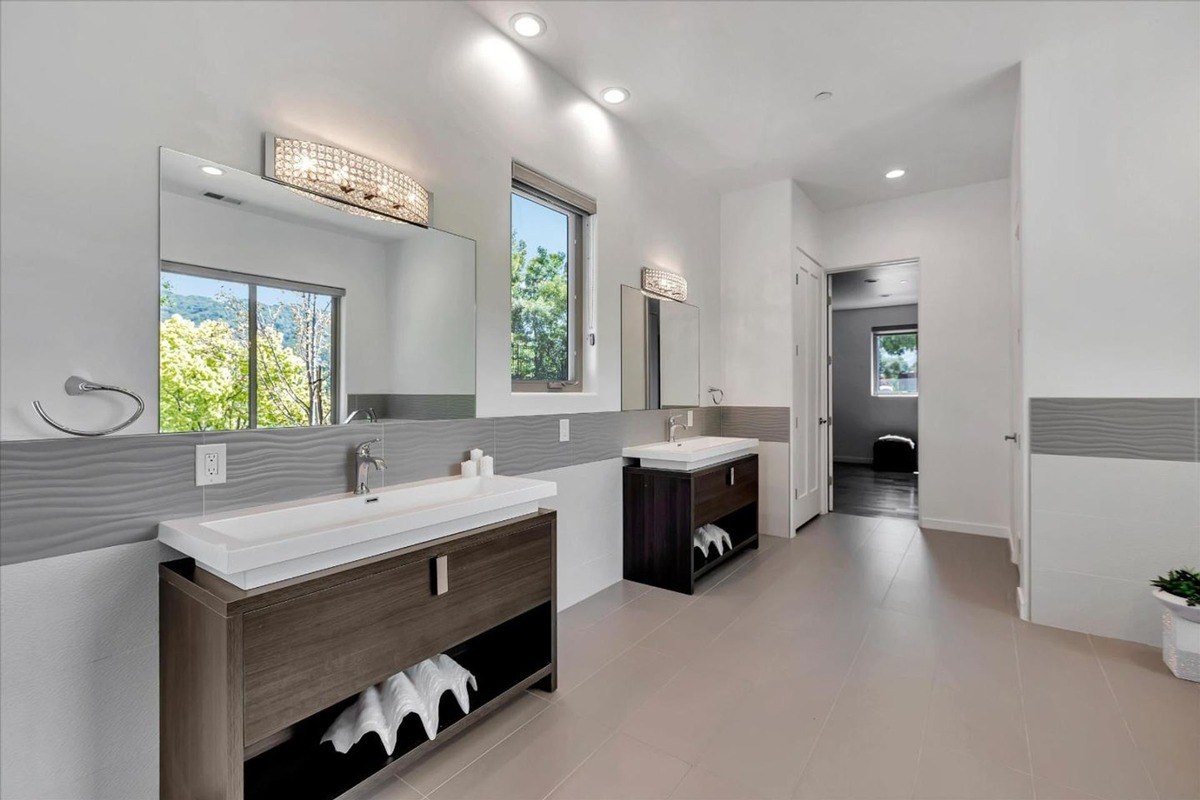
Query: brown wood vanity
[664, 507]
[250, 679]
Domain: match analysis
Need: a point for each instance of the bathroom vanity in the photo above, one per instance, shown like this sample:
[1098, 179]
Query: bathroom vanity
[252, 678]
[677, 487]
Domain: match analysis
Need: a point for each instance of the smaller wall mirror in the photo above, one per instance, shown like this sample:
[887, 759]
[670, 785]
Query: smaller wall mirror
[660, 352]
[276, 310]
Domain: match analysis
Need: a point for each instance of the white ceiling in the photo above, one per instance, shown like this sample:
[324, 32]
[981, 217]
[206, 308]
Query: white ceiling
[892, 285]
[726, 88]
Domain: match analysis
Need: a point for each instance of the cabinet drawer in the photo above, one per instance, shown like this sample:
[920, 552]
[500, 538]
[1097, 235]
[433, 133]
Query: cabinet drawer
[722, 489]
[307, 653]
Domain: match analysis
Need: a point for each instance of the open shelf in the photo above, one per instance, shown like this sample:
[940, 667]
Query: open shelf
[505, 660]
[742, 527]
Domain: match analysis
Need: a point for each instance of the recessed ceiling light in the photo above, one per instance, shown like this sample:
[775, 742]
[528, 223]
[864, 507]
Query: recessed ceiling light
[209, 169]
[614, 94]
[528, 25]
[894, 173]
[823, 96]
[870, 280]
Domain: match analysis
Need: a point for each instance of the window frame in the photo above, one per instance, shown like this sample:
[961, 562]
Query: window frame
[580, 211]
[892, 330]
[252, 283]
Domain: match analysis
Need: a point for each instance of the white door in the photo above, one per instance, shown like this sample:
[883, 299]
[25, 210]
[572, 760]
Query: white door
[808, 310]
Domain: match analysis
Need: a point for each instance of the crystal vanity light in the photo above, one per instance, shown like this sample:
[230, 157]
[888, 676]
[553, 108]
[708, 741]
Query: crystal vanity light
[336, 177]
[668, 284]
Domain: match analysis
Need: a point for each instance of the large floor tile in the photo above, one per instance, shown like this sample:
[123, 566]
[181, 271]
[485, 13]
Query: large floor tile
[700, 784]
[446, 761]
[531, 762]
[1077, 735]
[623, 769]
[617, 690]
[948, 774]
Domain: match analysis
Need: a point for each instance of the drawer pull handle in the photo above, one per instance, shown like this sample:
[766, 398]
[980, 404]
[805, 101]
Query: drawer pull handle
[731, 469]
[441, 575]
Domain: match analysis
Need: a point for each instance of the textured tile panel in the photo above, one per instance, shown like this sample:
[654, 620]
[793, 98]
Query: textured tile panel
[418, 450]
[61, 496]
[595, 437]
[530, 444]
[765, 423]
[274, 466]
[1159, 428]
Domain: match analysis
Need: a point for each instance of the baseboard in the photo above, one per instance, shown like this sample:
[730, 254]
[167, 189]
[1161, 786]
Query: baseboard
[851, 460]
[958, 526]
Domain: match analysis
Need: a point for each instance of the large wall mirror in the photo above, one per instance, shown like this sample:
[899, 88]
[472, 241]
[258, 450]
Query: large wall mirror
[660, 352]
[276, 310]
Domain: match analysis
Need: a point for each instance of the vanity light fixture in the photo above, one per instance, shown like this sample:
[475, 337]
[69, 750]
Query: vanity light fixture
[527, 25]
[894, 173]
[664, 283]
[336, 177]
[614, 94]
[209, 169]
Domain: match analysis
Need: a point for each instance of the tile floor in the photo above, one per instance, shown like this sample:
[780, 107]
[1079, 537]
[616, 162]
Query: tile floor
[863, 659]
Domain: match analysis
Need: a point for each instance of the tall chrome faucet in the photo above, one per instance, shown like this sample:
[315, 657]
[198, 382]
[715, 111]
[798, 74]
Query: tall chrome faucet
[363, 461]
[677, 424]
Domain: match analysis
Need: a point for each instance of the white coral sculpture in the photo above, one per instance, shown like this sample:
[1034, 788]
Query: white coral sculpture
[417, 690]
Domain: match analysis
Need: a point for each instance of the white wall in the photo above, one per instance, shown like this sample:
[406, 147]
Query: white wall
[92, 90]
[1110, 249]
[431, 297]
[859, 416]
[760, 229]
[960, 237]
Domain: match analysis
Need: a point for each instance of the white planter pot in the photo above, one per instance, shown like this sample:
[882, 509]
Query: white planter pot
[1181, 635]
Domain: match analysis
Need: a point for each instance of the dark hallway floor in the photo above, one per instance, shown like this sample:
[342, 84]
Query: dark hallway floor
[858, 489]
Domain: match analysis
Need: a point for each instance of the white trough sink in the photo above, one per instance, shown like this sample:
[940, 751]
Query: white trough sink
[687, 455]
[257, 546]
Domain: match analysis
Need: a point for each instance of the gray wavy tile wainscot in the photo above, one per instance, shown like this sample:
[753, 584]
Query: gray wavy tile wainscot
[1157, 428]
[765, 423]
[530, 444]
[595, 437]
[419, 450]
[274, 466]
[643, 427]
[60, 496]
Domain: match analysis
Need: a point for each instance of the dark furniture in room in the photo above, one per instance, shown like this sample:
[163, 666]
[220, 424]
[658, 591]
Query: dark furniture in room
[894, 454]
[664, 507]
[251, 679]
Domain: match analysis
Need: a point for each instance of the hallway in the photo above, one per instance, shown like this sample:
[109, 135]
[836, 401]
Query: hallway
[862, 659]
[860, 490]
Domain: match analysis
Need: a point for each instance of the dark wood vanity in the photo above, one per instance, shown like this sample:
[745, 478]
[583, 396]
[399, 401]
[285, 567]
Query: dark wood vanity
[250, 679]
[664, 507]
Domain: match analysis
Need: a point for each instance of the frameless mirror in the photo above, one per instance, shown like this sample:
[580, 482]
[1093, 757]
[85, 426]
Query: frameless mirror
[660, 352]
[279, 309]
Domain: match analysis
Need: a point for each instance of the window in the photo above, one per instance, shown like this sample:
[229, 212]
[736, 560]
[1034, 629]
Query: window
[238, 351]
[894, 364]
[549, 282]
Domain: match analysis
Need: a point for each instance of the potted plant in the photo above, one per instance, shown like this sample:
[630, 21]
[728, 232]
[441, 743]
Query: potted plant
[1179, 594]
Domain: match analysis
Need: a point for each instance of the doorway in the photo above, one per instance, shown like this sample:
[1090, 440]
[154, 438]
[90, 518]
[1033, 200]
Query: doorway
[873, 340]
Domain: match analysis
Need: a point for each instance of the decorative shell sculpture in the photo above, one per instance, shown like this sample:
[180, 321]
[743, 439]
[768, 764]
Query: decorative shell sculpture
[417, 690]
[708, 536]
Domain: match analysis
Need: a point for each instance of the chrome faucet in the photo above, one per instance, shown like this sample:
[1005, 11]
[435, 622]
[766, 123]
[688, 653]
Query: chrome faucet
[363, 461]
[676, 425]
[368, 413]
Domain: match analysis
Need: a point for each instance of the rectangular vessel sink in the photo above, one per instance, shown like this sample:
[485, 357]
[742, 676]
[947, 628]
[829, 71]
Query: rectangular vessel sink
[687, 455]
[254, 547]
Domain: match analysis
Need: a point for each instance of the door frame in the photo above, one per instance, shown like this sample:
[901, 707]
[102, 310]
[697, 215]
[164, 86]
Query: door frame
[817, 270]
[827, 354]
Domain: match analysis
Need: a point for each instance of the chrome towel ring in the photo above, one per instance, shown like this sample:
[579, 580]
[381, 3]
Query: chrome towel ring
[75, 386]
[713, 391]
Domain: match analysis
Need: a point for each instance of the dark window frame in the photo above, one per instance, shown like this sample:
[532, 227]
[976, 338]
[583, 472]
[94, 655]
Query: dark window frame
[892, 330]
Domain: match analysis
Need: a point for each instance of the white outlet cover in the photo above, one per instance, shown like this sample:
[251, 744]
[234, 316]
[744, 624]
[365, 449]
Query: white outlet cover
[210, 464]
[689, 418]
[564, 430]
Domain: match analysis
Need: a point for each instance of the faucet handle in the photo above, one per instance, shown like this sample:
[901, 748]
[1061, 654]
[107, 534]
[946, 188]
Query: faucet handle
[364, 449]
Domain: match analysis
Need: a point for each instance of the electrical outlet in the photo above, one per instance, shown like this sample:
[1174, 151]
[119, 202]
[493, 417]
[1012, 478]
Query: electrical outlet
[564, 430]
[210, 464]
[689, 418]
